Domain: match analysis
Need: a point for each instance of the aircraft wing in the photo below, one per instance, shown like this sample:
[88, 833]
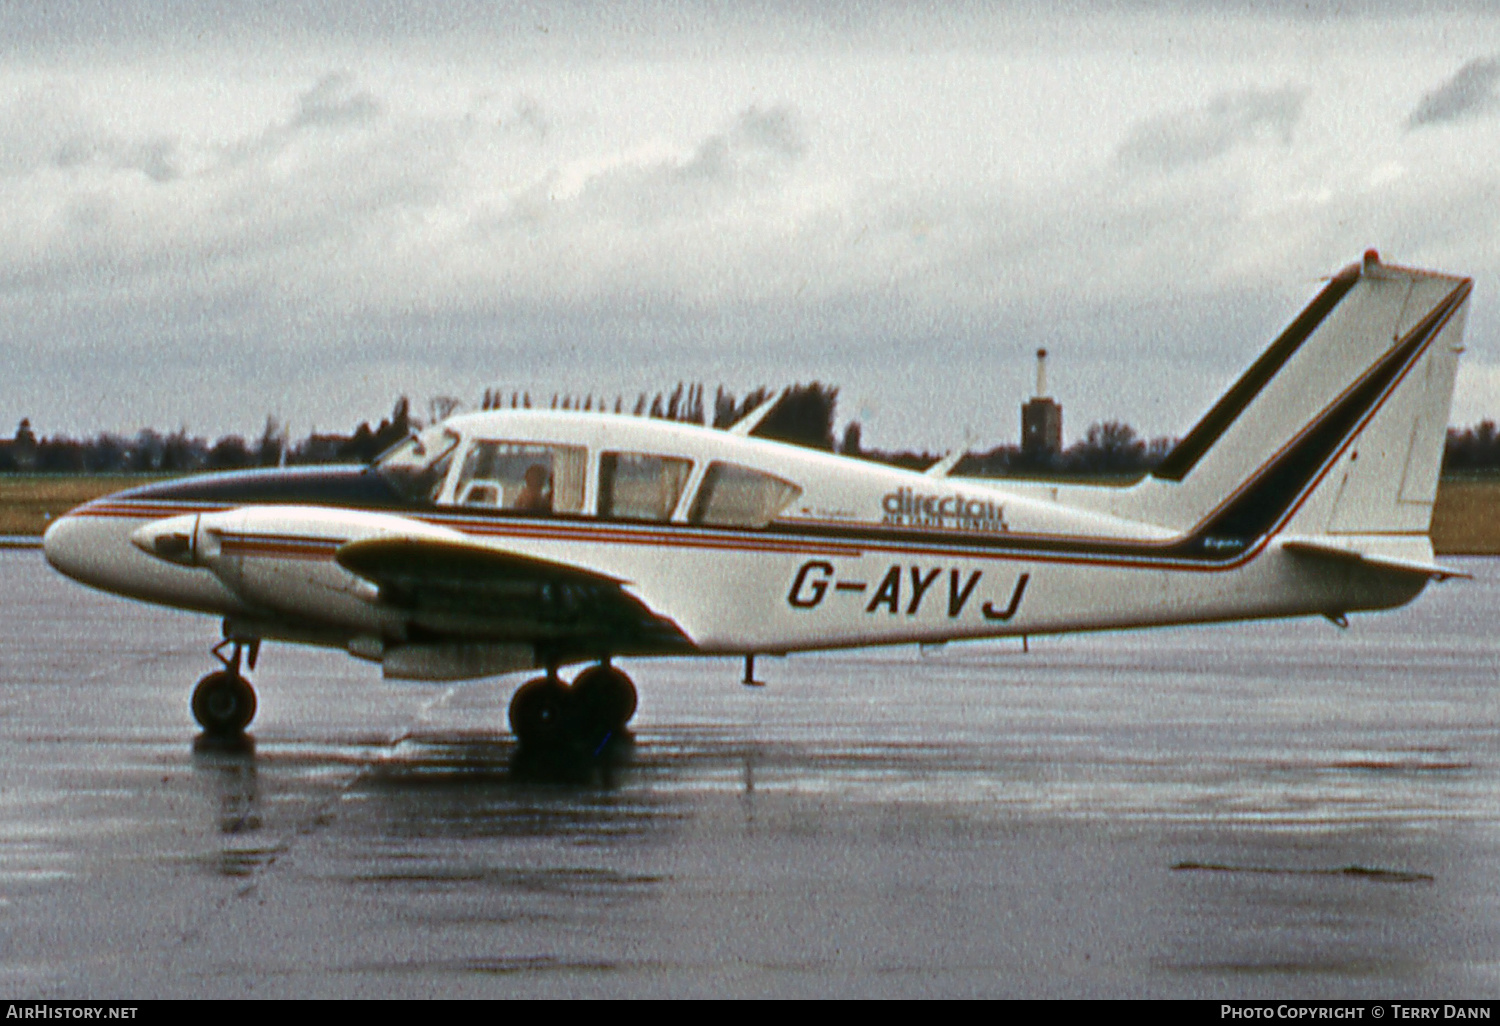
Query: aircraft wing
[477, 591]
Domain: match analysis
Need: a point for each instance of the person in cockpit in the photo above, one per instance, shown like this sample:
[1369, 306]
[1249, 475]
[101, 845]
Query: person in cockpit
[536, 494]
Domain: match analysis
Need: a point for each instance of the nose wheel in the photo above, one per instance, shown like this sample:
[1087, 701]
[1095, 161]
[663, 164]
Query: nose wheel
[546, 712]
[224, 702]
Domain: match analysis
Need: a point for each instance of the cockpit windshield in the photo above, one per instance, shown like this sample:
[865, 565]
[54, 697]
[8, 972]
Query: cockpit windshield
[416, 467]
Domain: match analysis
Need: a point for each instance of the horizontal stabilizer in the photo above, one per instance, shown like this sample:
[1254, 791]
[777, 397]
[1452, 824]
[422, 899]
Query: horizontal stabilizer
[944, 466]
[750, 421]
[1328, 549]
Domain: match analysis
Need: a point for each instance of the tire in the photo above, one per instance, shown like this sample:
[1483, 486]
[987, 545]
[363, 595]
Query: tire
[539, 711]
[604, 700]
[224, 704]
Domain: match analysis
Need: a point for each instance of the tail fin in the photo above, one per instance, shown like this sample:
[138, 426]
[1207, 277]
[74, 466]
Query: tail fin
[1337, 430]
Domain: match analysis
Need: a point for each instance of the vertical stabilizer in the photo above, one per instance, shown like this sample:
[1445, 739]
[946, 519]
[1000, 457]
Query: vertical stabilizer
[1338, 427]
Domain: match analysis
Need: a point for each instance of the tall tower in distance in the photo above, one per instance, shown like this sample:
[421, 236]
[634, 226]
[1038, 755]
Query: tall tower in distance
[1041, 418]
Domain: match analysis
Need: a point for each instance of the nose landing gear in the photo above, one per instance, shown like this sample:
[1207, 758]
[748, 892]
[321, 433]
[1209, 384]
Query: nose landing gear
[546, 712]
[224, 702]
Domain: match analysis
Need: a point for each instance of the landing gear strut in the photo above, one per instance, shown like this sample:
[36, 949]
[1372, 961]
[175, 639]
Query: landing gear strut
[224, 702]
[546, 712]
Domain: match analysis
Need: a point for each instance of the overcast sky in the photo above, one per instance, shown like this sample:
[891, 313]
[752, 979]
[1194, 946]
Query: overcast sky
[206, 217]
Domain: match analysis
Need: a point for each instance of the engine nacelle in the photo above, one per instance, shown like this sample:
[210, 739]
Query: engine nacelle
[281, 558]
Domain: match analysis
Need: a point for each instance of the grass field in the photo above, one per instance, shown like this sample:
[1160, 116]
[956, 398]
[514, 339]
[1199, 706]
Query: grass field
[1466, 521]
[28, 503]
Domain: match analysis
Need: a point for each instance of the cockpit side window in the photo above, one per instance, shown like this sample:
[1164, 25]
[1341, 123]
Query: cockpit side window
[522, 476]
[416, 467]
[638, 486]
[735, 496]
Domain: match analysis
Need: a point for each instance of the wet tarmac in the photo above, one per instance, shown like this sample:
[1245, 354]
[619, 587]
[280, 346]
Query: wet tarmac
[1280, 810]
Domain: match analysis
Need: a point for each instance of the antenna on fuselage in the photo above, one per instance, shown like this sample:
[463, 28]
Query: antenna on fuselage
[750, 421]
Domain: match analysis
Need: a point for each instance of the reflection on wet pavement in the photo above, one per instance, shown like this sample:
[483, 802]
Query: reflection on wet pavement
[1275, 809]
[1359, 872]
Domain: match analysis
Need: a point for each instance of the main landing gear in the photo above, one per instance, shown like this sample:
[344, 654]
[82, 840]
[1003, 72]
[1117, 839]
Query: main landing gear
[546, 712]
[224, 701]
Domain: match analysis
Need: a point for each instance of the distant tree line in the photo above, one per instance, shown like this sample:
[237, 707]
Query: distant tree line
[804, 414]
[1472, 449]
[1107, 449]
[151, 452]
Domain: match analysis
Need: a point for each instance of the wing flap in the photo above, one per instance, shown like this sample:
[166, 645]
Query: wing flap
[470, 590]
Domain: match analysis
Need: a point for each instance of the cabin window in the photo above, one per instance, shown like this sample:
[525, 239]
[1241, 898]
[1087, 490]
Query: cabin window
[635, 486]
[735, 496]
[523, 477]
[417, 467]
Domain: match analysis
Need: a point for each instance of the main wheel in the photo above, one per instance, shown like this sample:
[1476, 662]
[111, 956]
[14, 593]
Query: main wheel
[604, 700]
[224, 703]
[539, 710]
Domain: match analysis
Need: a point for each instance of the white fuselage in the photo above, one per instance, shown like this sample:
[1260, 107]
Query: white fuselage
[864, 554]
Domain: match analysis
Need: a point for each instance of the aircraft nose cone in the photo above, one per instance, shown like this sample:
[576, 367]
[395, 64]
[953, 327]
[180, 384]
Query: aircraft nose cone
[66, 546]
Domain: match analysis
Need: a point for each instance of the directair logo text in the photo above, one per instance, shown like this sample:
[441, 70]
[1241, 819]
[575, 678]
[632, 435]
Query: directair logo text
[906, 508]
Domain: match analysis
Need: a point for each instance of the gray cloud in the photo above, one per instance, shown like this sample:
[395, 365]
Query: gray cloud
[157, 158]
[1469, 93]
[563, 210]
[758, 139]
[47, 130]
[726, 168]
[334, 102]
[528, 114]
[778, 130]
[1230, 119]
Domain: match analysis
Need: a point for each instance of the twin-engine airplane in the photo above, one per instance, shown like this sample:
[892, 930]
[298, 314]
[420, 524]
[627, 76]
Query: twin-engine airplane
[512, 540]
